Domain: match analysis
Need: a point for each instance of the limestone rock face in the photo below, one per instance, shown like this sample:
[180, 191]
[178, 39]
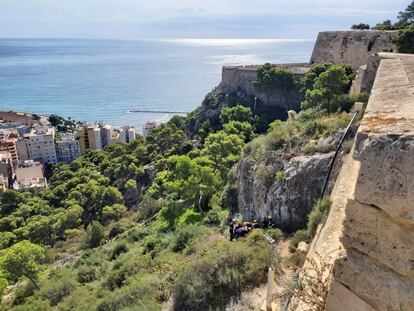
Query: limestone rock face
[288, 196]
[372, 232]
[378, 285]
[389, 191]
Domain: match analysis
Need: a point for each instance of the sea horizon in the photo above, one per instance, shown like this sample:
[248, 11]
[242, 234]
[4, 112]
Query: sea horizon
[100, 80]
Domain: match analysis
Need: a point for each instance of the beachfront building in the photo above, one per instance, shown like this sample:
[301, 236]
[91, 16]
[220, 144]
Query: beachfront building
[107, 133]
[67, 148]
[41, 145]
[148, 128]
[29, 175]
[126, 134]
[89, 138]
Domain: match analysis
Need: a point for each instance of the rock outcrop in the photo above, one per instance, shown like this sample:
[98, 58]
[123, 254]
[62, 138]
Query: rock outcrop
[288, 198]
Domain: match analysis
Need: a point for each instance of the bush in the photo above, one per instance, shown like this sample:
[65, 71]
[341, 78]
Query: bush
[222, 273]
[144, 290]
[136, 234]
[189, 217]
[118, 249]
[115, 230]
[23, 291]
[280, 176]
[113, 212]
[148, 207]
[87, 274]
[405, 40]
[57, 289]
[275, 233]
[94, 234]
[319, 213]
[184, 236]
[299, 236]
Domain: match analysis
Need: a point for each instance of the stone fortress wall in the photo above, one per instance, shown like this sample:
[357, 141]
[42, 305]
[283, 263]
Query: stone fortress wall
[355, 48]
[377, 266]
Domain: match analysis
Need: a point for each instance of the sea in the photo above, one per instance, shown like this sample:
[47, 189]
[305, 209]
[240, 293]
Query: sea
[104, 80]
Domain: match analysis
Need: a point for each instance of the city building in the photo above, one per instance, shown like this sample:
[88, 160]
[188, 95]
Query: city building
[9, 145]
[6, 164]
[90, 138]
[17, 118]
[21, 147]
[29, 175]
[41, 145]
[148, 128]
[67, 148]
[106, 135]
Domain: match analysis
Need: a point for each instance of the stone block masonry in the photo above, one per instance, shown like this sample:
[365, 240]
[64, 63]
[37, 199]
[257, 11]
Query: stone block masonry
[377, 266]
[351, 47]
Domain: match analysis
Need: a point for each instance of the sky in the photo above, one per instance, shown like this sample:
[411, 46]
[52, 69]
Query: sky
[146, 19]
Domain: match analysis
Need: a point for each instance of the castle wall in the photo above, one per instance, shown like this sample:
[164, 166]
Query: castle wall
[351, 47]
[377, 266]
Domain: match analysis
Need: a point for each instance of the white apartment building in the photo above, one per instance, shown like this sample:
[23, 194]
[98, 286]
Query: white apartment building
[67, 148]
[40, 144]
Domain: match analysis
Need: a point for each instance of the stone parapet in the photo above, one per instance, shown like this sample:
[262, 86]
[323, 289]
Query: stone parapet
[377, 266]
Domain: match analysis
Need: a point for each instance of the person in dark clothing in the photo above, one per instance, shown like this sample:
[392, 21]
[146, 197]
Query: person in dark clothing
[231, 231]
[265, 223]
[240, 232]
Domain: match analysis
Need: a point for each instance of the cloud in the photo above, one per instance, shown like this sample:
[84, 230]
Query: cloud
[187, 18]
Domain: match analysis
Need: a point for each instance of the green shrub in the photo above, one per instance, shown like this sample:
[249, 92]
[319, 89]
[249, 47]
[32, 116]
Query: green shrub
[34, 305]
[275, 233]
[113, 212]
[137, 234]
[318, 214]
[222, 273]
[150, 243]
[148, 207]
[23, 291]
[184, 236]
[118, 249]
[142, 288]
[87, 274]
[115, 230]
[280, 176]
[57, 288]
[189, 217]
[299, 236]
[405, 40]
[94, 234]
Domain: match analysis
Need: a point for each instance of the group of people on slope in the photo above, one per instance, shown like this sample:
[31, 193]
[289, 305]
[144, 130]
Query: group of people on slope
[239, 229]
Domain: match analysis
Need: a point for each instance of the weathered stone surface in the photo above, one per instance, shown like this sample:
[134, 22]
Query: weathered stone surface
[373, 233]
[351, 47]
[379, 286]
[385, 142]
[378, 234]
[340, 298]
[289, 200]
